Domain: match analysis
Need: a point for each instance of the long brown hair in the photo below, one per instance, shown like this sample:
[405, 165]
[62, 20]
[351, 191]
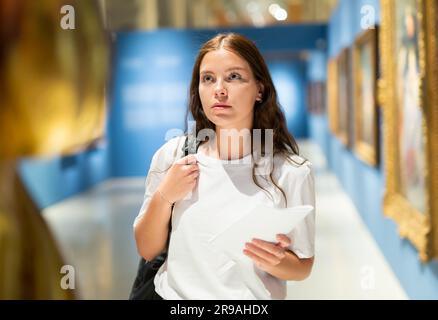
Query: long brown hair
[267, 114]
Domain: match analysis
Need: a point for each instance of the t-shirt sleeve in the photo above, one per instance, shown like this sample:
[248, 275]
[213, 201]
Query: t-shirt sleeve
[153, 180]
[160, 163]
[303, 235]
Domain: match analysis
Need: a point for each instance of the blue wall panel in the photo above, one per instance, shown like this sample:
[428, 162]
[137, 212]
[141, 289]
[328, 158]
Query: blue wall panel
[152, 77]
[290, 81]
[52, 180]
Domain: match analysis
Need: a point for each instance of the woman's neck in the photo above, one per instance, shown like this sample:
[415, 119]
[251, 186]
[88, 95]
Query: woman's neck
[230, 144]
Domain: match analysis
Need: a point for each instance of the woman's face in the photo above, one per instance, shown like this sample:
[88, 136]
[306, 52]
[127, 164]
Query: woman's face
[228, 89]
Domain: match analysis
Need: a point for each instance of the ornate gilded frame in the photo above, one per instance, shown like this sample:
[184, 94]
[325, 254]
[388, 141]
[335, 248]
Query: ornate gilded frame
[332, 94]
[420, 228]
[343, 96]
[367, 152]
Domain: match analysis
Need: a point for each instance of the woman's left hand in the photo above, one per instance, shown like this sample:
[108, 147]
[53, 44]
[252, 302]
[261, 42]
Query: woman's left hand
[267, 254]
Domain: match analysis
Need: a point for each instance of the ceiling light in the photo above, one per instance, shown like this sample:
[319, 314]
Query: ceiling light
[273, 8]
[277, 12]
[281, 14]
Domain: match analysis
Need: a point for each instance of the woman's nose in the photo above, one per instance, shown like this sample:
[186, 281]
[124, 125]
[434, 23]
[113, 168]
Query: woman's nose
[220, 90]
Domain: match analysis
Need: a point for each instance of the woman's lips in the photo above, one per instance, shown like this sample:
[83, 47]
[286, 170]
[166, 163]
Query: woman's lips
[220, 106]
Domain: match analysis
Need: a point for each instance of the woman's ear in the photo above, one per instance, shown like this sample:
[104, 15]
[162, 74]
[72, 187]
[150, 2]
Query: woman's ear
[260, 92]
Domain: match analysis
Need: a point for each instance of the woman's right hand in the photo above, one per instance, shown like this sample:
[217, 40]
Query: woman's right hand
[180, 179]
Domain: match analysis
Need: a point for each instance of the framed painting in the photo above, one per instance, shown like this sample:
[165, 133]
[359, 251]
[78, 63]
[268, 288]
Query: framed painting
[365, 97]
[344, 110]
[320, 91]
[309, 99]
[332, 94]
[409, 99]
[316, 100]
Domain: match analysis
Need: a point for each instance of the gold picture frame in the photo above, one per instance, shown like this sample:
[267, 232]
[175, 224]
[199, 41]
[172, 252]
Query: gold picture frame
[344, 111]
[332, 94]
[408, 88]
[365, 97]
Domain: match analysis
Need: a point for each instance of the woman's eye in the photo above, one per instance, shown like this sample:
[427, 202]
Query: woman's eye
[207, 78]
[235, 76]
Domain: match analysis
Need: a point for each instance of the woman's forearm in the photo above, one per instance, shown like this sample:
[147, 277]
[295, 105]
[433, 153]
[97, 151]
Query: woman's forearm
[292, 268]
[152, 229]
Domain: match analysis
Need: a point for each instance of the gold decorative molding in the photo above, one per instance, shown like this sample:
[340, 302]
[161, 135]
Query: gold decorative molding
[343, 72]
[431, 94]
[381, 88]
[366, 151]
[419, 227]
[332, 94]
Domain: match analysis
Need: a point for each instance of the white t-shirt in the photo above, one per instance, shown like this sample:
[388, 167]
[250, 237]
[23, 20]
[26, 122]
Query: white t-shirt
[194, 269]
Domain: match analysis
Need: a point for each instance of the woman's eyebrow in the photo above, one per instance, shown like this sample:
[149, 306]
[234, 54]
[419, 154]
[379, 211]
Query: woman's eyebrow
[235, 68]
[229, 69]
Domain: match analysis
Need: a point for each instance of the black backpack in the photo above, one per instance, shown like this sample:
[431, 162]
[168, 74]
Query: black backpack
[143, 287]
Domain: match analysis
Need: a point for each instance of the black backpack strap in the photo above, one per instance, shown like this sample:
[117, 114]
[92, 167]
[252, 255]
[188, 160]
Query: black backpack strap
[185, 147]
[190, 146]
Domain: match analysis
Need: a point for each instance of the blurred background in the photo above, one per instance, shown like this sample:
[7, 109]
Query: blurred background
[91, 89]
[152, 14]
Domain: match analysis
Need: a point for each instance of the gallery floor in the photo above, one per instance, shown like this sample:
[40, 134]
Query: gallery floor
[94, 231]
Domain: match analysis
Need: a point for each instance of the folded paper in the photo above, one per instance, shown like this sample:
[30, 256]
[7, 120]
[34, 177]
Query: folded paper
[263, 223]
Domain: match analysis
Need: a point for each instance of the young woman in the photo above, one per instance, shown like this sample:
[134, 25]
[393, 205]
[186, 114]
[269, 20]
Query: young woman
[193, 198]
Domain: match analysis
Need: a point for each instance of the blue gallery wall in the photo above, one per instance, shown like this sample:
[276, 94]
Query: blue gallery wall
[52, 180]
[317, 71]
[289, 77]
[152, 75]
[365, 184]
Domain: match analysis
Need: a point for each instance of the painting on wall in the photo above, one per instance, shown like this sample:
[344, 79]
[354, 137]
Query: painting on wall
[408, 96]
[344, 109]
[316, 100]
[332, 94]
[365, 99]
